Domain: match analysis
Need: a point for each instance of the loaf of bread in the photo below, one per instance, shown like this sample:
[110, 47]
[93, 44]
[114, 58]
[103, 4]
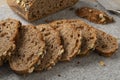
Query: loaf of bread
[8, 35]
[92, 38]
[29, 48]
[36, 9]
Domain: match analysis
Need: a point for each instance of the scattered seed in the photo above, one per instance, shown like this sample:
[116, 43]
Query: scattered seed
[90, 10]
[102, 63]
[17, 1]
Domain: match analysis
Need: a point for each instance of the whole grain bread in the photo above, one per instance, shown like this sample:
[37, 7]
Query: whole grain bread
[54, 49]
[71, 40]
[30, 48]
[8, 35]
[106, 45]
[102, 42]
[94, 15]
[36, 9]
[88, 34]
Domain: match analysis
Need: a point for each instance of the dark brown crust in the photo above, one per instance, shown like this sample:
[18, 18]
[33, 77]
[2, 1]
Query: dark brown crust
[94, 15]
[26, 14]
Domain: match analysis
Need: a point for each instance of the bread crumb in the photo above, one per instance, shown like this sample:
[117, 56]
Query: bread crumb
[59, 75]
[102, 63]
[78, 62]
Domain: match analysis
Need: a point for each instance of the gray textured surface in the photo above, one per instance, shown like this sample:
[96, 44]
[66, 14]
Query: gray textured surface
[88, 68]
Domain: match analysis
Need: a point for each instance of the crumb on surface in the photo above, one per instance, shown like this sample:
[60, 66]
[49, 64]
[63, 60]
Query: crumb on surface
[102, 63]
[78, 62]
[59, 75]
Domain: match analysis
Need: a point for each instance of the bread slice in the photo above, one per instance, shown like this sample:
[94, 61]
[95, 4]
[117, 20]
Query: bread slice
[8, 35]
[88, 34]
[106, 44]
[54, 49]
[36, 9]
[30, 48]
[94, 15]
[71, 40]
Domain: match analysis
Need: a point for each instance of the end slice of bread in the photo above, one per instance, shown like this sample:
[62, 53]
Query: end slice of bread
[94, 15]
[30, 48]
[54, 49]
[8, 35]
[33, 10]
[106, 44]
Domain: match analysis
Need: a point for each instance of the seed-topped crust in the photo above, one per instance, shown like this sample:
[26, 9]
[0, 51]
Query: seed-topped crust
[33, 10]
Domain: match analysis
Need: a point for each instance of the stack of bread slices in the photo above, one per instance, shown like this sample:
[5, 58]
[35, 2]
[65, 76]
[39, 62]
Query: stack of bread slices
[30, 48]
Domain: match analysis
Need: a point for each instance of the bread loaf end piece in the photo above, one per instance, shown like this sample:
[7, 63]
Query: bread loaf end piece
[106, 44]
[36, 9]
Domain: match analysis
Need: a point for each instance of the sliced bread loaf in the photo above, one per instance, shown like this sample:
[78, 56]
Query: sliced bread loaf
[8, 35]
[54, 49]
[30, 47]
[88, 33]
[106, 44]
[71, 40]
[36, 9]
